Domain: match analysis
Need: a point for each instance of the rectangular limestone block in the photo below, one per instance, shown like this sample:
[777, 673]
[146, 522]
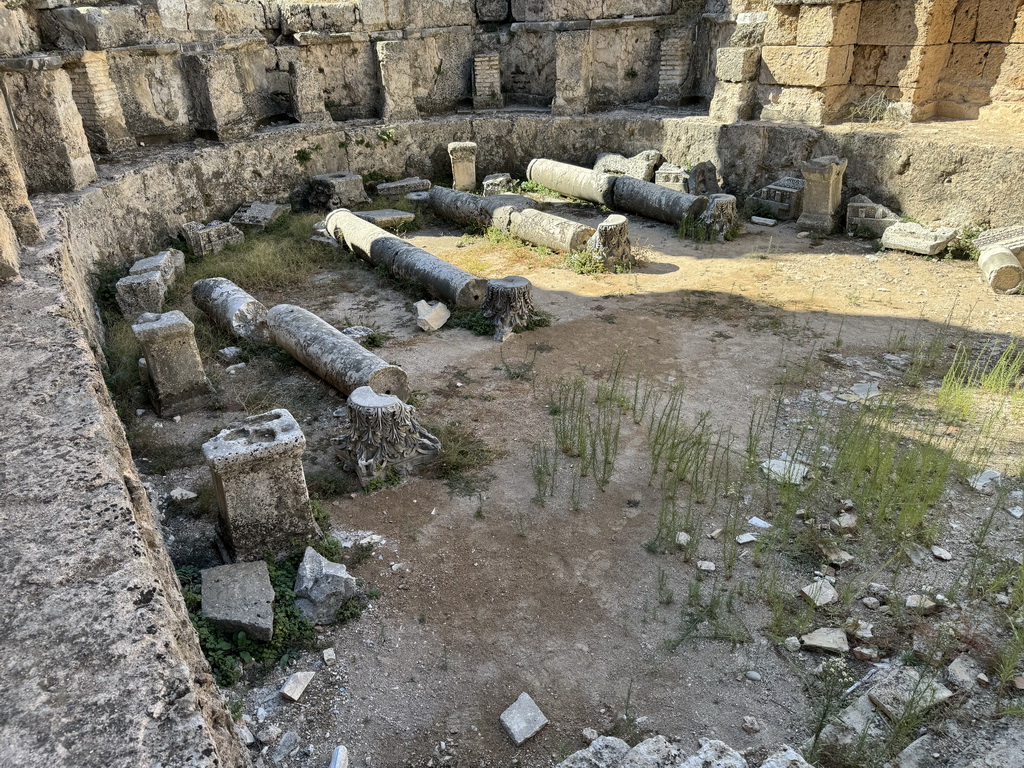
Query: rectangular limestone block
[828, 24]
[732, 102]
[812, 106]
[965, 21]
[737, 65]
[169, 264]
[996, 20]
[897, 22]
[899, 66]
[783, 23]
[974, 65]
[139, 294]
[806, 66]
[1010, 84]
[177, 381]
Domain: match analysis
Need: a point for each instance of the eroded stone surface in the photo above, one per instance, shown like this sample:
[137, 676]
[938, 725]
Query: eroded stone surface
[240, 598]
[322, 587]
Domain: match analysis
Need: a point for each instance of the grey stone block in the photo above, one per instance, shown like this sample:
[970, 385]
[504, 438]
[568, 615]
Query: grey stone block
[322, 587]
[239, 598]
[523, 719]
[916, 238]
[139, 294]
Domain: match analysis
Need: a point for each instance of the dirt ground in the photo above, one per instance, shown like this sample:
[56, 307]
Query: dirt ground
[486, 595]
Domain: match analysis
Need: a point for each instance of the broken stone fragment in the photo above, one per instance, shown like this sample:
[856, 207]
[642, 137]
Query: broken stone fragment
[322, 587]
[785, 470]
[864, 216]
[296, 685]
[827, 639]
[232, 309]
[921, 604]
[496, 183]
[845, 523]
[864, 653]
[172, 366]
[257, 216]
[181, 494]
[641, 166]
[239, 598]
[916, 238]
[431, 316]
[603, 751]
[463, 158]
[819, 593]
[746, 538]
[140, 294]
[786, 757]
[940, 553]
[336, 190]
[288, 745]
[403, 187]
[339, 759]
[207, 239]
[705, 565]
[904, 692]
[713, 753]
[329, 656]
[523, 719]
[963, 672]
[509, 303]
[859, 629]
[682, 538]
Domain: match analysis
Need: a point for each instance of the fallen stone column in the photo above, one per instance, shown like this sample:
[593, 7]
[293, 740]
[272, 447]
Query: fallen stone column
[475, 211]
[1002, 269]
[550, 231]
[171, 364]
[332, 355]
[232, 309]
[656, 202]
[443, 280]
[509, 303]
[574, 181]
[261, 488]
[383, 432]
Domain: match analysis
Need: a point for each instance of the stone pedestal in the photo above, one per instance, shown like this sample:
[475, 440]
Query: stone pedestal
[823, 188]
[171, 365]
[261, 488]
[463, 157]
[396, 77]
[330, 191]
[721, 213]
[383, 432]
[573, 73]
[611, 243]
[509, 302]
[205, 239]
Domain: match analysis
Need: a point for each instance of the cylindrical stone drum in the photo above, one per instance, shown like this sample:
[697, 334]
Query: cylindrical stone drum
[655, 202]
[550, 231]
[232, 309]
[574, 181]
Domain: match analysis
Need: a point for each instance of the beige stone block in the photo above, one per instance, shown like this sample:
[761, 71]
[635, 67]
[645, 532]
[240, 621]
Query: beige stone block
[732, 102]
[901, 66]
[737, 65]
[996, 20]
[965, 21]
[973, 65]
[1018, 29]
[783, 21]
[898, 22]
[1011, 75]
[806, 66]
[813, 106]
[828, 24]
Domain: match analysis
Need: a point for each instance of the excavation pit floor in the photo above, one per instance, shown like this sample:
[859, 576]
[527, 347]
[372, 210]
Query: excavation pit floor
[485, 593]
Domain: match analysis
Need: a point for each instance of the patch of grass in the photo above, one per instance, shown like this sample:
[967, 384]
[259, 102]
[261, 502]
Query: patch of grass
[464, 458]
[471, 320]
[533, 187]
[696, 230]
[962, 246]
[583, 263]
[389, 479]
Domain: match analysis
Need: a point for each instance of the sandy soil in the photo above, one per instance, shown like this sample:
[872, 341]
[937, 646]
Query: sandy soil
[488, 595]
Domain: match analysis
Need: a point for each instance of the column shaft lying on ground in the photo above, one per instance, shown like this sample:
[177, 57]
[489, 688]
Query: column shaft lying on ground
[574, 181]
[476, 211]
[231, 308]
[332, 355]
[443, 280]
[550, 231]
[1002, 269]
[656, 202]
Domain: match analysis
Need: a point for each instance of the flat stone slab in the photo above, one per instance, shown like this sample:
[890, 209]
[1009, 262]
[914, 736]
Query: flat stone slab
[819, 593]
[523, 719]
[905, 691]
[387, 218]
[240, 598]
[256, 216]
[403, 187]
[827, 639]
[296, 685]
[916, 238]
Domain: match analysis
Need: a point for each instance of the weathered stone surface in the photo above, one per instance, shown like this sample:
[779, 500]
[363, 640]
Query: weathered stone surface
[904, 691]
[550, 231]
[396, 73]
[509, 303]
[240, 598]
[603, 752]
[656, 202]
[474, 210]
[1011, 238]
[916, 238]
[487, 78]
[862, 215]
[1002, 270]
[672, 177]
[714, 754]
[256, 216]
[140, 294]
[339, 758]
[332, 355]
[523, 719]
[387, 218]
[173, 368]
[640, 166]
[721, 214]
[737, 65]
[206, 239]
[336, 190]
[261, 488]
[232, 309]
[786, 757]
[170, 264]
[496, 183]
[573, 181]
[733, 102]
[9, 249]
[322, 587]
[574, 65]
[702, 179]
[826, 639]
[819, 593]
[963, 673]
[402, 187]
[431, 316]
[383, 434]
[784, 197]
[293, 689]
[463, 157]
[806, 65]
[492, 10]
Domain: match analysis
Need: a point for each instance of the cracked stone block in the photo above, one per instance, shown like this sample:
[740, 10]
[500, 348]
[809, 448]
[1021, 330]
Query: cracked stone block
[336, 190]
[173, 368]
[322, 587]
[169, 264]
[917, 238]
[140, 294]
[523, 719]
[239, 598]
[257, 216]
[640, 166]
[431, 316]
[496, 183]
[403, 187]
[827, 639]
[905, 691]
[206, 239]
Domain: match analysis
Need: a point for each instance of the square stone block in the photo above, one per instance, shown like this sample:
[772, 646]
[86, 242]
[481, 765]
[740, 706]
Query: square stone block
[823, 25]
[523, 719]
[732, 102]
[897, 22]
[813, 106]
[240, 598]
[783, 21]
[140, 294]
[737, 65]
[806, 66]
